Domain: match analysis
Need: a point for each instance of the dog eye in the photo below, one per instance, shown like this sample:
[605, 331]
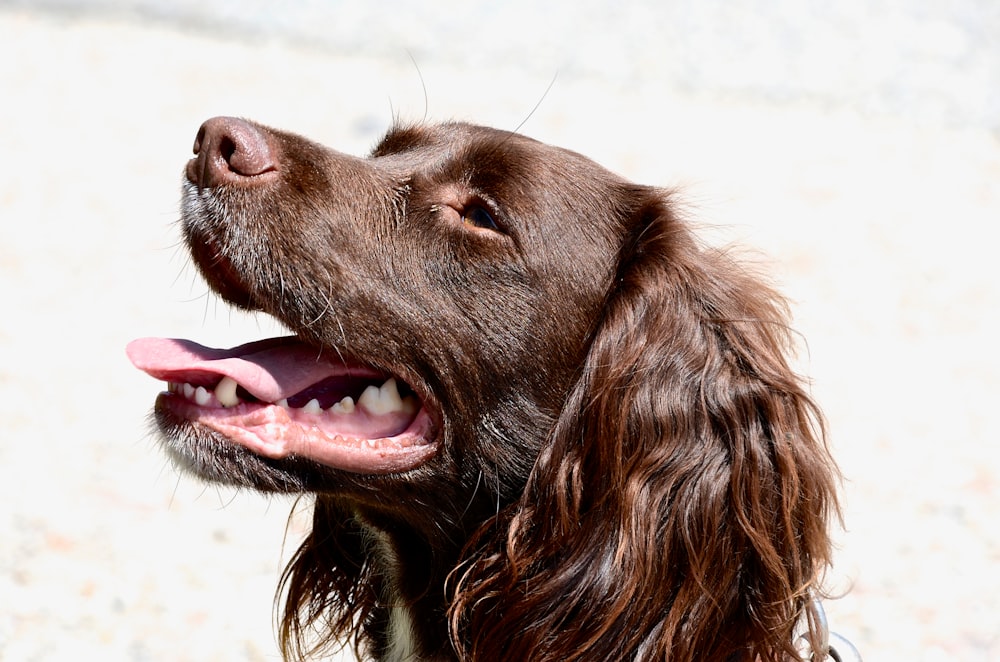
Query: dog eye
[478, 217]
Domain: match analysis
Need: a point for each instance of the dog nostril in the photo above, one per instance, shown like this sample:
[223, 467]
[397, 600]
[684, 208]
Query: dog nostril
[229, 150]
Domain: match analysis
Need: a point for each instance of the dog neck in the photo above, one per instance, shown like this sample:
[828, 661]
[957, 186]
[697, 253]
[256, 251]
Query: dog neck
[411, 596]
[400, 643]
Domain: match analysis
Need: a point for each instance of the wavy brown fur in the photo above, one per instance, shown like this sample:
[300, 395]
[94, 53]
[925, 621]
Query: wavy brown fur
[679, 509]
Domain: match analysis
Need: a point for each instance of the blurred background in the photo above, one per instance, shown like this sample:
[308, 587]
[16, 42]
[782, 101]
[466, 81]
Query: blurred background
[853, 146]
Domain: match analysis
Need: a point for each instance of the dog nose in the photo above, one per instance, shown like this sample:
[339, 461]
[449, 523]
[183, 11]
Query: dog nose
[229, 151]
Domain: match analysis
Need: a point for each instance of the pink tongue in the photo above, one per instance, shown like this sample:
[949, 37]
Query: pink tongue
[269, 369]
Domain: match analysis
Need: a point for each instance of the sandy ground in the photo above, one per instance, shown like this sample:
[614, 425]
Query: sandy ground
[879, 225]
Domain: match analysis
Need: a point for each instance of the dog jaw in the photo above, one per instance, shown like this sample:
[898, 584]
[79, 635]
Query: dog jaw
[279, 432]
[278, 399]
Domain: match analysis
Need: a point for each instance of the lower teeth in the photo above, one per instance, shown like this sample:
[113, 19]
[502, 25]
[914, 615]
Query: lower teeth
[376, 400]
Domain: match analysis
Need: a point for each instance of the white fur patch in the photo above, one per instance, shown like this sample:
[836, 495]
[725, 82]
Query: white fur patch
[402, 646]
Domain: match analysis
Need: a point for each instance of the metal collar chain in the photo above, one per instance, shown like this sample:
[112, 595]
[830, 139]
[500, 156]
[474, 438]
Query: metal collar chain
[833, 646]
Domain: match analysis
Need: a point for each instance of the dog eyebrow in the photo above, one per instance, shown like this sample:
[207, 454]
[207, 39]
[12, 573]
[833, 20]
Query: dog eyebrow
[402, 138]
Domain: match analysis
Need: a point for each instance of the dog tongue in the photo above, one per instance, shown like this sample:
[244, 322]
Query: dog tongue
[269, 369]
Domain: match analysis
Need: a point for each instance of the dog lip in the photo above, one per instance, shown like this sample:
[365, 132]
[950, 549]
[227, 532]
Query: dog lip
[220, 272]
[277, 433]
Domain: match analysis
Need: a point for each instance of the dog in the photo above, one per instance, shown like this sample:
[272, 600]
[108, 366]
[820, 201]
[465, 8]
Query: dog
[538, 419]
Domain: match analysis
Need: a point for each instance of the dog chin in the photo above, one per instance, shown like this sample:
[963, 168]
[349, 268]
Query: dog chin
[211, 456]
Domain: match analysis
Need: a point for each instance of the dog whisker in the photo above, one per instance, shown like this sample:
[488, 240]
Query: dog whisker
[423, 85]
[537, 105]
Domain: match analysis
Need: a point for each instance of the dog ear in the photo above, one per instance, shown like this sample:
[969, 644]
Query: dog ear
[680, 508]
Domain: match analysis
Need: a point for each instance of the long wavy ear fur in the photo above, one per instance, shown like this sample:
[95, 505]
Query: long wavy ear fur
[680, 509]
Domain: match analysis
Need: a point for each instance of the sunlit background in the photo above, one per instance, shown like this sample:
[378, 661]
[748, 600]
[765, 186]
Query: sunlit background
[855, 146]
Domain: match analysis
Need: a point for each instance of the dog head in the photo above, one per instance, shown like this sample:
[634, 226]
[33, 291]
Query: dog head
[525, 373]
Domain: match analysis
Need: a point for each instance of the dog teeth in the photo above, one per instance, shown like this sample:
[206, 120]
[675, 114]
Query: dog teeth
[376, 400]
[385, 399]
[371, 399]
[345, 406]
[202, 396]
[381, 400]
[225, 392]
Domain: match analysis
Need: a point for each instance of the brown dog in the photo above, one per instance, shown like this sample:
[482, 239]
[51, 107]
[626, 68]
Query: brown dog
[540, 421]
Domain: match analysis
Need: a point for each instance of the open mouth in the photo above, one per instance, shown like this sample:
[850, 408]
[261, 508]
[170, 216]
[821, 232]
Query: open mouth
[281, 398]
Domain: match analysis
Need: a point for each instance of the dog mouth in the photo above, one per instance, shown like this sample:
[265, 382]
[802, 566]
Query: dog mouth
[282, 398]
